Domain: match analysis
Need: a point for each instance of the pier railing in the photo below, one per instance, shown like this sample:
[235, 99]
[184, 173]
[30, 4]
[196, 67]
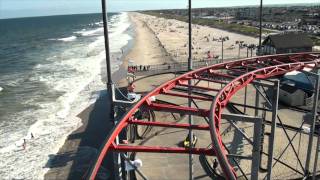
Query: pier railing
[144, 70]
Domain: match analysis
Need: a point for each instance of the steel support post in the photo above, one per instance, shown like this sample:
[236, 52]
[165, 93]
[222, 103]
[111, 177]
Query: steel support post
[260, 26]
[273, 128]
[222, 51]
[312, 127]
[257, 102]
[245, 97]
[117, 163]
[190, 133]
[110, 86]
[190, 91]
[316, 157]
[256, 150]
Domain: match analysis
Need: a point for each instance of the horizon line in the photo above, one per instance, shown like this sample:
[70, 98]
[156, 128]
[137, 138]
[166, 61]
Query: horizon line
[266, 5]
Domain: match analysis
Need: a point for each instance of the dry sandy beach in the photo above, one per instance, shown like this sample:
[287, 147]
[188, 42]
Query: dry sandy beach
[173, 36]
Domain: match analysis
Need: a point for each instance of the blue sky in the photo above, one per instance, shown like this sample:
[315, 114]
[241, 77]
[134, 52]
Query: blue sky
[26, 8]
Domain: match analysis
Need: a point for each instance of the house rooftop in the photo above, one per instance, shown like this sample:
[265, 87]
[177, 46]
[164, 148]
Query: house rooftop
[289, 40]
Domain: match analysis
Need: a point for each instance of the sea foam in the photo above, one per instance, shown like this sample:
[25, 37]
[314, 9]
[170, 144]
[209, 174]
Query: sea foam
[66, 39]
[79, 79]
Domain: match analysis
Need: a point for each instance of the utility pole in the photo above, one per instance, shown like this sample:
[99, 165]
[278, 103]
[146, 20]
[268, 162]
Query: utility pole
[260, 26]
[110, 88]
[222, 51]
[222, 39]
[190, 91]
[240, 43]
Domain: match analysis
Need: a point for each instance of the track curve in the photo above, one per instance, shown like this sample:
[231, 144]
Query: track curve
[247, 70]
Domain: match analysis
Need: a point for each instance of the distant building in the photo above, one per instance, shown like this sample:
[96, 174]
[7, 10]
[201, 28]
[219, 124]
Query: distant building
[286, 43]
[246, 14]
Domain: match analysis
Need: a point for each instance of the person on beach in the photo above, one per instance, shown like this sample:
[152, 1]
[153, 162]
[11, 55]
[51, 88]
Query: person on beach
[209, 55]
[24, 145]
[131, 87]
[140, 67]
[130, 70]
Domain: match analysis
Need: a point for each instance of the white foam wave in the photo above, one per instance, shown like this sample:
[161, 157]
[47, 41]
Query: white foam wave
[90, 32]
[67, 39]
[1, 88]
[80, 80]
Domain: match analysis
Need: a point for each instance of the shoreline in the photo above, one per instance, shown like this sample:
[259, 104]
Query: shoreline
[76, 147]
[85, 140]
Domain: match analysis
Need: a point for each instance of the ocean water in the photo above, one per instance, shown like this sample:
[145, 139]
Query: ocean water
[50, 70]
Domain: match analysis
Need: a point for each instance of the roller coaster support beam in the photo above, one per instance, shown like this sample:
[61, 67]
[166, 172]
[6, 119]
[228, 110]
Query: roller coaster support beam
[273, 128]
[315, 165]
[312, 127]
[256, 149]
[170, 125]
[173, 150]
[256, 143]
[189, 88]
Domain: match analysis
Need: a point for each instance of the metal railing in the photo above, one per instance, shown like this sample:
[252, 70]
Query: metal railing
[143, 70]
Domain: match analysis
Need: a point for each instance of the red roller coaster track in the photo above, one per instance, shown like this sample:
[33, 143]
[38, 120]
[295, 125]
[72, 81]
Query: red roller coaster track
[250, 69]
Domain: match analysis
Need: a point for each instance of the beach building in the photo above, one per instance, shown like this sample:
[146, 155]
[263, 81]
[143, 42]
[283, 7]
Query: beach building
[286, 43]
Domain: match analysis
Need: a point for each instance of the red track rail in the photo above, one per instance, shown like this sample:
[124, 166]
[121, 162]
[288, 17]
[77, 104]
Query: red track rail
[259, 68]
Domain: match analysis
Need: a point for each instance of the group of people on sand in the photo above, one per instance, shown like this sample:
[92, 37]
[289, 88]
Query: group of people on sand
[136, 68]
